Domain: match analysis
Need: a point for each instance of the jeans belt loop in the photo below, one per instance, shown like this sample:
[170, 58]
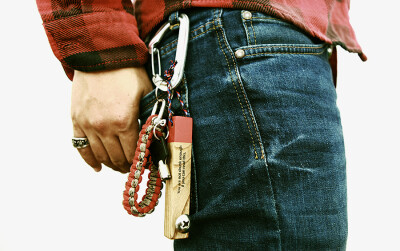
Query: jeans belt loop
[181, 50]
[174, 17]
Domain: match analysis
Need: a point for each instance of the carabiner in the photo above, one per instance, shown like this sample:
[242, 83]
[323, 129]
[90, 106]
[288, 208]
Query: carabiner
[159, 121]
[161, 111]
[180, 57]
[157, 79]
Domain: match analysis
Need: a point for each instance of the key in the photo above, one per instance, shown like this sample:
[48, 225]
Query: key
[159, 154]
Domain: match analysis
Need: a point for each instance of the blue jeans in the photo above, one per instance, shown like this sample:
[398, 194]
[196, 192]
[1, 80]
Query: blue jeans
[268, 169]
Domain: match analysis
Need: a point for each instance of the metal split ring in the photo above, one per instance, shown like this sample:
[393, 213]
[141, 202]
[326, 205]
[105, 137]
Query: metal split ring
[161, 123]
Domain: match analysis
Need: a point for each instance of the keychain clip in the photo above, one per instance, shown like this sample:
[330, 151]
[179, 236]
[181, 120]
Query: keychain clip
[180, 57]
[158, 119]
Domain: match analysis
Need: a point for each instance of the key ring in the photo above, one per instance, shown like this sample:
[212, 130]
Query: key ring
[158, 122]
[161, 123]
[157, 119]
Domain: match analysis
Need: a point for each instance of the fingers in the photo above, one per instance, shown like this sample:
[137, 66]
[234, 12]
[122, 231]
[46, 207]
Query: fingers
[87, 153]
[128, 140]
[108, 150]
[115, 154]
[104, 108]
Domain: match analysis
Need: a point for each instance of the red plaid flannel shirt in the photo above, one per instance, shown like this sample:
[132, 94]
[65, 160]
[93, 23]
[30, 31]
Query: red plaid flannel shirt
[93, 35]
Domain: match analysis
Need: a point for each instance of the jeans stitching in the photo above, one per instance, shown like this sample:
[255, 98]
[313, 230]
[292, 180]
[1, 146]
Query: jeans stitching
[287, 46]
[254, 32]
[246, 100]
[254, 125]
[175, 41]
[246, 30]
[237, 94]
[193, 31]
[296, 53]
[204, 25]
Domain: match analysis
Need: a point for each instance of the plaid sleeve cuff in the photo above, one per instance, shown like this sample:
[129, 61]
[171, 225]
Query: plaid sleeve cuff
[96, 41]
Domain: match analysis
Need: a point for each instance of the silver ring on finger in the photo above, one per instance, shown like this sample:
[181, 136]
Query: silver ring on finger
[80, 142]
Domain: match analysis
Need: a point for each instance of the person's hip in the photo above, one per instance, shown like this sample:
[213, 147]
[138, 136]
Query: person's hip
[268, 155]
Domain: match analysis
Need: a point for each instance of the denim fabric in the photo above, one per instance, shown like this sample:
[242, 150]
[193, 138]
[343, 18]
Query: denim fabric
[269, 164]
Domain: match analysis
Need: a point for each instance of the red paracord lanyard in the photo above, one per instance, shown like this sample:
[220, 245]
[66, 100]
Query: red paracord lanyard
[153, 127]
[168, 161]
[141, 161]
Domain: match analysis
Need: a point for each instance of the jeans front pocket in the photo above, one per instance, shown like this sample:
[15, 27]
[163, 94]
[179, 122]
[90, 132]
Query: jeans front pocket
[268, 35]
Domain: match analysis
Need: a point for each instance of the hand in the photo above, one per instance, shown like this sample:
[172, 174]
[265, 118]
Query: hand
[105, 109]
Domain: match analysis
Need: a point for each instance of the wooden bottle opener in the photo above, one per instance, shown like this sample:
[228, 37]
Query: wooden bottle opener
[177, 197]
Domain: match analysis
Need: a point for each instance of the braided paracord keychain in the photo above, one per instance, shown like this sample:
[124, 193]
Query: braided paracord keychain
[142, 160]
[153, 127]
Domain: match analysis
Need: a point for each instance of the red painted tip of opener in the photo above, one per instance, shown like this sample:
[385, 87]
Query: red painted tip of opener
[182, 129]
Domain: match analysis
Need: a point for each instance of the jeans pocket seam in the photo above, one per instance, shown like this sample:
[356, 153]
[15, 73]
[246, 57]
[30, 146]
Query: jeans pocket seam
[232, 63]
[254, 32]
[288, 53]
[238, 96]
[246, 30]
[251, 35]
[293, 46]
[165, 49]
[283, 49]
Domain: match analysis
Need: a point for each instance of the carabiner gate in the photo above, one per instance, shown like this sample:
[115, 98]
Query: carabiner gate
[180, 57]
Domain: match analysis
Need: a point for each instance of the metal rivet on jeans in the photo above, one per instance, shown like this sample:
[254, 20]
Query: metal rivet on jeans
[246, 15]
[239, 54]
[330, 50]
[182, 224]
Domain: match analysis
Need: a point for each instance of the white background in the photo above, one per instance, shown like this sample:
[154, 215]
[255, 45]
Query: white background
[51, 200]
